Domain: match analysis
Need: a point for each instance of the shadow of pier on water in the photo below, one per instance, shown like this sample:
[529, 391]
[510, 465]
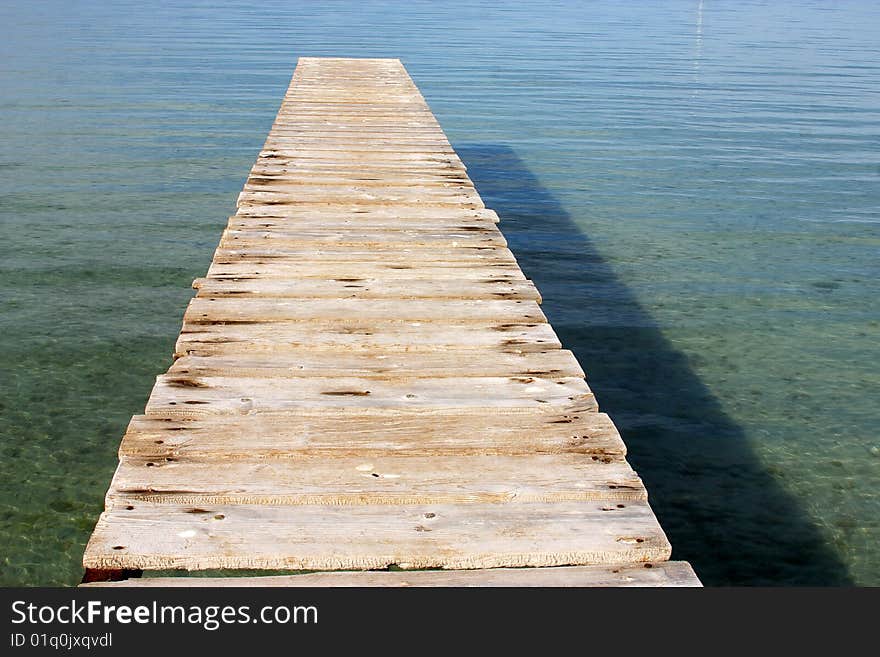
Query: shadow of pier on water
[720, 507]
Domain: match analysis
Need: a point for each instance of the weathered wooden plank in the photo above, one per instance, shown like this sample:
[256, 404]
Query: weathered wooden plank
[316, 174]
[405, 257]
[416, 186]
[642, 575]
[194, 396]
[358, 335]
[366, 288]
[310, 178]
[370, 88]
[358, 239]
[337, 107]
[357, 224]
[293, 180]
[374, 99]
[390, 269]
[373, 432]
[382, 132]
[319, 212]
[387, 479]
[392, 166]
[335, 93]
[381, 96]
[416, 155]
[377, 97]
[354, 103]
[157, 536]
[440, 364]
[203, 310]
[294, 123]
[369, 147]
[304, 162]
[371, 93]
[336, 142]
[391, 163]
[379, 196]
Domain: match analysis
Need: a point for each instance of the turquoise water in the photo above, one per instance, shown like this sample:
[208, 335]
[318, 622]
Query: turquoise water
[695, 187]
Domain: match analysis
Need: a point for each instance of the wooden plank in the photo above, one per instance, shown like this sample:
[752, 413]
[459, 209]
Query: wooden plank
[331, 127]
[421, 187]
[358, 335]
[337, 107]
[357, 224]
[368, 191]
[410, 170]
[442, 364]
[348, 143]
[222, 309]
[292, 122]
[386, 164]
[380, 98]
[384, 132]
[387, 479]
[364, 288]
[409, 257]
[380, 196]
[318, 212]
[390, 269]
[294, 179]
[373, 432]
[318, 174]
[192, 396]
[358, 239]
[648, 574]
[415, 155]
[352, 98]
[304, 162]
[534, 534]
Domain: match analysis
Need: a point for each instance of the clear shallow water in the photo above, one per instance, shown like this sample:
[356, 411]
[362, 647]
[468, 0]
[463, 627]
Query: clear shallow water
[694, 187]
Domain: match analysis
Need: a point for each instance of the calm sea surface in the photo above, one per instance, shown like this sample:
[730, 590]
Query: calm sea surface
[695, 188]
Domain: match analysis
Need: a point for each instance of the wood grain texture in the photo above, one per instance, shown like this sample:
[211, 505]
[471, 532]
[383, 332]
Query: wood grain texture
[192, 396]
[400, 213]
[385, 479]
[363, 336]
[350, 237]
[365, 378]
[372, 432]
[392, 268]
[367, 288]
[463, 256]
[441, 364]
[203, 310]
[339, 537]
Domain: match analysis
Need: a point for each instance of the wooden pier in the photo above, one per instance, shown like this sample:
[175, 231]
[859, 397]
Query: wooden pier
[365, 380]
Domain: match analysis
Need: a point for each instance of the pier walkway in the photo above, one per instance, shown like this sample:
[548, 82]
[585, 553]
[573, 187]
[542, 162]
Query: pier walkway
[365, 380]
